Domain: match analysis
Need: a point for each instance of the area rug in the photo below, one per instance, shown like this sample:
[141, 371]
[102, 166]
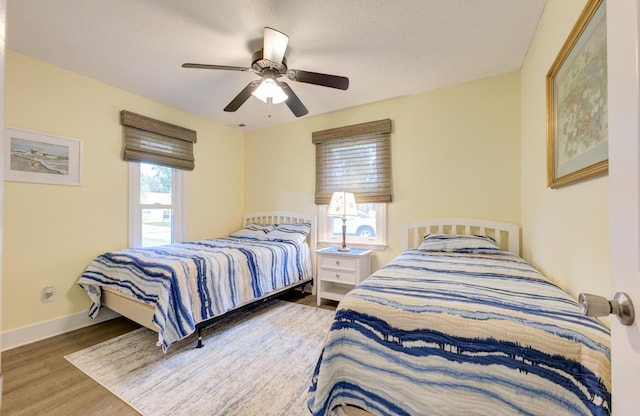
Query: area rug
[258, 362]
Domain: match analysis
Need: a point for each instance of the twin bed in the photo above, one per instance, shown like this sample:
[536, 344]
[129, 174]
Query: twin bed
[178, 289]
[458, 323]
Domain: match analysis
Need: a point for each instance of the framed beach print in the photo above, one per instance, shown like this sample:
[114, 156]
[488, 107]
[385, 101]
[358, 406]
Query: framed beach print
[31, 156]
[577, 129]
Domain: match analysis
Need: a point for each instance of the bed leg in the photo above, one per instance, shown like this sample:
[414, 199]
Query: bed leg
[200, 344]
[302, 294]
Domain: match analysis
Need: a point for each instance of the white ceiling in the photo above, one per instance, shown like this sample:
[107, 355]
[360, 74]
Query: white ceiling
[386, 48]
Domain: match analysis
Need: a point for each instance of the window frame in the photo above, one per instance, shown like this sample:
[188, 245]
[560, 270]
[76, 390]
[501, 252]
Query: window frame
[178, 192]
[379, 242]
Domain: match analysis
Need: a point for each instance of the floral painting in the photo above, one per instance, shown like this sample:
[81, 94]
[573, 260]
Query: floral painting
[577, 88]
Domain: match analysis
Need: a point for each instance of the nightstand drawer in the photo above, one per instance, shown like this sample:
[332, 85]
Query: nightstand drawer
[335, 262]
[338, 276]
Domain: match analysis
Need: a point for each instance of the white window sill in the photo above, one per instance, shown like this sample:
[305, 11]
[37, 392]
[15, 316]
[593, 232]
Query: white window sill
[363, 246]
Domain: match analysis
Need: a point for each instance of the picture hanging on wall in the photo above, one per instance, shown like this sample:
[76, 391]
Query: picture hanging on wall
[31, 156]
[577, 129]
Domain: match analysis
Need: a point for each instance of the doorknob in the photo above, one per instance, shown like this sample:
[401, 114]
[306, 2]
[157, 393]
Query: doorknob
[620, 305]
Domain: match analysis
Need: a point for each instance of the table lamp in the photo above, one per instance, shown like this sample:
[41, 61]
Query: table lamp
[343, 204]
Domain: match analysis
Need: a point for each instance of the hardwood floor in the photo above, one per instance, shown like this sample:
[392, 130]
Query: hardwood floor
[38, 380]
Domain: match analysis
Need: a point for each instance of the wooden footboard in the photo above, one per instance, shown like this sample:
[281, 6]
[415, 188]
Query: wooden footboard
[131, 308]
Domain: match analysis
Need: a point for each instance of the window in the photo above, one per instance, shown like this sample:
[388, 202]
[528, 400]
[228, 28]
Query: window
[355, 159]
[156, 197]
[159, 152]
[368, 229]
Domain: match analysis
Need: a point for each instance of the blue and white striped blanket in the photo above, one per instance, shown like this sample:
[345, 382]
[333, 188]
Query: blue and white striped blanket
[462, 334]
[191, 282]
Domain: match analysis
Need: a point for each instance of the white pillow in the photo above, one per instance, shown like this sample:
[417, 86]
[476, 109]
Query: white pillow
[457, 243]
[297, 232]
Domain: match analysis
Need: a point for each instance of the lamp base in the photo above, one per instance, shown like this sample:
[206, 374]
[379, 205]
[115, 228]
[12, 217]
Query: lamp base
[344, 235]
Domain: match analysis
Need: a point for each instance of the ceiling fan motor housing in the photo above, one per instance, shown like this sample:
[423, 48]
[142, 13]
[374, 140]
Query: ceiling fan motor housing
[261, 65]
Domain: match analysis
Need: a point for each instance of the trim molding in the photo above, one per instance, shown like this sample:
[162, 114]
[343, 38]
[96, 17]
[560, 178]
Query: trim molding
[42, 330]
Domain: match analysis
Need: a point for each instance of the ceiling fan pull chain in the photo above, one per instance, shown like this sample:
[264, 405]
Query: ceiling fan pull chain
[270, 102]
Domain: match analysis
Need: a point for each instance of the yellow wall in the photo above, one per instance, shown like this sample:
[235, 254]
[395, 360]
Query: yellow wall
[51, 232]
[476, 149]
[455, 152]
[566, 230]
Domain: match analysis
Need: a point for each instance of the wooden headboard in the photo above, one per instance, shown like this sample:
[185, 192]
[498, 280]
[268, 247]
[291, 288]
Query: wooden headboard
[506, 235]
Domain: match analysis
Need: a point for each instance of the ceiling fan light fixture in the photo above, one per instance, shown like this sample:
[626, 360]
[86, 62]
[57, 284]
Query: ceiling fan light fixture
[269, 89]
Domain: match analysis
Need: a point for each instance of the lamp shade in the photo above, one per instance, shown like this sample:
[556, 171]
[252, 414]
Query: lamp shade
[343, 204]
[269, 89]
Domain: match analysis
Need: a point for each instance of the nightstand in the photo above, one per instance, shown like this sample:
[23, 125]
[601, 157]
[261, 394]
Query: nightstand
[340, 271]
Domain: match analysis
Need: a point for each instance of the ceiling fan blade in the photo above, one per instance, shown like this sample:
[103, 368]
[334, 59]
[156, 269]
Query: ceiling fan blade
[293, 102]
[223, 67]
[242, 97]
[325, 80]
[275, 45]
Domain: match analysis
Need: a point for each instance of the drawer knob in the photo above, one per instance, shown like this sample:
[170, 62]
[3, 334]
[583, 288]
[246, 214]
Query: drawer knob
[337, 262]
[337, 276]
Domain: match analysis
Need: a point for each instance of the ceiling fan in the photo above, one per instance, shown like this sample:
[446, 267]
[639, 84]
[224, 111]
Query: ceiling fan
[271, 64]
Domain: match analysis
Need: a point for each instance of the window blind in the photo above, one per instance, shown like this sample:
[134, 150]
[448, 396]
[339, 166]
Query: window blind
[153, 141]
[354, 159]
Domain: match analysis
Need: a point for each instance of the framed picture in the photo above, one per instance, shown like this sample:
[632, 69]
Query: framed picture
[577, 130]
[31, 156]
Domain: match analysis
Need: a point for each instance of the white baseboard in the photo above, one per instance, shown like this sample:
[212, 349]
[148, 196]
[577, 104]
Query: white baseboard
[36, 332]
[32, 333]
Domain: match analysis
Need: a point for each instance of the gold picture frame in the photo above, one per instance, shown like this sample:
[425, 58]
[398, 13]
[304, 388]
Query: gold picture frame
[577, 127]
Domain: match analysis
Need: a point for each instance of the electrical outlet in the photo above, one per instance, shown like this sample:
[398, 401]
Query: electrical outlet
[46, 294]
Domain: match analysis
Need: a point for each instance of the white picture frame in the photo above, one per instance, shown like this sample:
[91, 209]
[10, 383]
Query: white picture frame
[31, 156]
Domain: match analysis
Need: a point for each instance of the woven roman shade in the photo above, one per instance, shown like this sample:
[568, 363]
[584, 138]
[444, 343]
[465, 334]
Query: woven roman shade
[153, 141]
[354, 159]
